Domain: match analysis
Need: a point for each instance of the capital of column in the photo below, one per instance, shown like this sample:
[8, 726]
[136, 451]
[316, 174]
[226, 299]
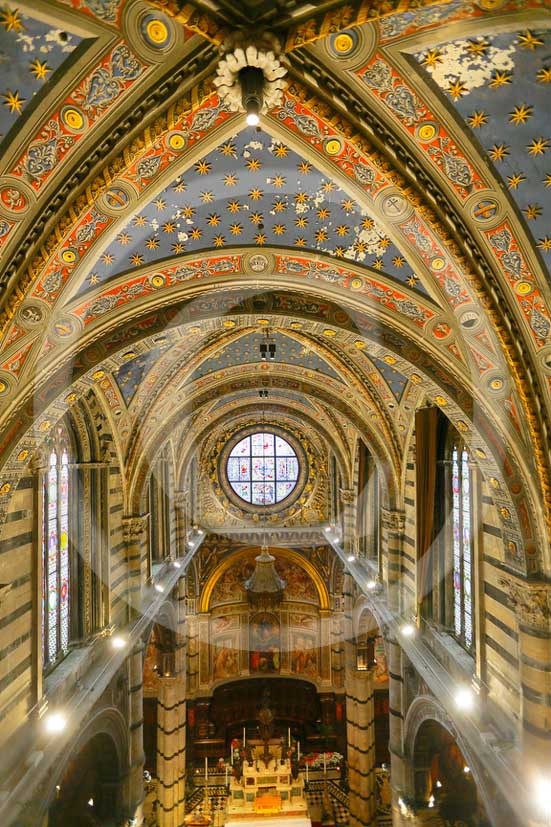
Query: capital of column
[531, 602]
[394, 520]
[134, 526]
[348, 495]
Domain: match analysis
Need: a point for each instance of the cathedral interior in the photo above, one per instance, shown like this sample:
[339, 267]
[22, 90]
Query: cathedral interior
[275, 404]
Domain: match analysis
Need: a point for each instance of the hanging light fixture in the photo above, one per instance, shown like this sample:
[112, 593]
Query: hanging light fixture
[265, 587]
[250, 77]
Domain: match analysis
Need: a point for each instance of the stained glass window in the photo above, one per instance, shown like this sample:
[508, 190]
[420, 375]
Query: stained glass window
[262, 468]
[55, 570]
[462, 547]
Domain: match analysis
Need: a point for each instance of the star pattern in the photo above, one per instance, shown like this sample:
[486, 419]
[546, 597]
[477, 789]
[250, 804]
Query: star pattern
[505, 101]
[274, 198]
[33, 50]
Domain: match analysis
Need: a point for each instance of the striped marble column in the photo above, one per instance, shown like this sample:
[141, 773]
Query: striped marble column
[137, 757]
[135, 537]
[531, 602]
[348, 502]
[180, 502]
[170, 722]
[360, 725]
[392, 538]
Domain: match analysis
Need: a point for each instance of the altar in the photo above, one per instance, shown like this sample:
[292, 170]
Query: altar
[266, 789]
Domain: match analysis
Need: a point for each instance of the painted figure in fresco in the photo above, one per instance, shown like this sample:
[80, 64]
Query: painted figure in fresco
[224, 662]
[264, 644]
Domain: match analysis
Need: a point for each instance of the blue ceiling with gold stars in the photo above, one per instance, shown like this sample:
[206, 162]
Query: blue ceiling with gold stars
[130, 374]
[30, 51]
[246, 350]
[395, 380]
[501, 87]
[252, 190]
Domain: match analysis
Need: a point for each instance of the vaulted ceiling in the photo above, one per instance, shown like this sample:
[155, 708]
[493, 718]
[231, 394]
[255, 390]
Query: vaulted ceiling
[387, 225]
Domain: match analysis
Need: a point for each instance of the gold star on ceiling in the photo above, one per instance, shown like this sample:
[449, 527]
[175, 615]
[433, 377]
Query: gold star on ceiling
[279, 229]
[384, 241]
[398, 261]
[321, 235]
[14, 101]
[477, 119]
[478, 47]
[348, 205]
[323, 212]
[178, 247]
[300, 242]
[228, 149]
[544, 75]
[181, 186]
[213, 219]
[136, 259]
[538, 146]
[255, 194]
[230, 180]
[152, 243]
[532, 211]
[412, 280]
[432, 58]
[234, 206]
[207, 197]
[500, 79]
[219, 241]
[188, 211]
[545, 243]
[94, 278]
[253, 164]
[256, 218]
[279, 206]
[528, 40]
[278, 181]
[305, 167]
[160, 203]
[260, 238]
[203, 167]
[39, 69]
[360, 246]
[339, 252]
[281, 151]
[169, 227]
[124, 238]
[498, 152]
[108, 258]
[521, 114]
[11, 20]
[140, 221]
[547, 180]
[301, 221]
[236, 229]
[196, 233]
[342, 229]
[378, 264]
[367, 223]
[301, 197]
[457, 88]
[513, 181]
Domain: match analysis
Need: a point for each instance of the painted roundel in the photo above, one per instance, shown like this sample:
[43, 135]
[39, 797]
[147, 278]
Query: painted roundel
[262, 468]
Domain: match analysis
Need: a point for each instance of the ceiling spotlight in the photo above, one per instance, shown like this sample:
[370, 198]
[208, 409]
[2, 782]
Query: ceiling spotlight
[55, 723]
[158, 587]
[176, 564]
[118, 642]
[251, 80]
[263, 351]
[272, 350]
[350, 558]
[371, 584]
[408, 630]
[466, 769]
[464, 698]
[543, 796]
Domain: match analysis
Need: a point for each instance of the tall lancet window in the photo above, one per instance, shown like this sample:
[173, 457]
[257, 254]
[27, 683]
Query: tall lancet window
[462, 546]
[55, 557]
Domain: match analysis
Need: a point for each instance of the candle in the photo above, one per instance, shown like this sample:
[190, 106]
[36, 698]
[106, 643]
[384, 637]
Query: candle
[206, 770]
[226, 780]
[298, 750]
[307, 773]
[243, 736]
[289, 737]
[324, 764]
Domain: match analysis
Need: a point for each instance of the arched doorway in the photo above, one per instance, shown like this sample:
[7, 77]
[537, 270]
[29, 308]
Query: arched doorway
[444, 781]
[89, 795]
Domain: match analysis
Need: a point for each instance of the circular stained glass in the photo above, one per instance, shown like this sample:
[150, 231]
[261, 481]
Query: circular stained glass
[262, 468]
